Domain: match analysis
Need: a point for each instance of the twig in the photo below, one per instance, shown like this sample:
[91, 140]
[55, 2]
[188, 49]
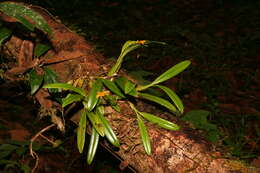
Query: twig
[32, 153]
[47, 139]
[36, 157]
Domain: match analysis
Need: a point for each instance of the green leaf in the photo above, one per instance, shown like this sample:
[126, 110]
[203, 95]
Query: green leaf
[92, 146]
[154, 42]
[50, 77]
[6, 150]
[198, 118]
[140, 76]
[126, 85]
[128, 47]
[66, 87]
[4, 154]
[25, 22]
[112, 87]
[97, 123]
[111, 99]
[8, 147]
[160, 101]
[167, 75]
[9, 164]
[213, 136]
[92, 97]
[128, 44]
[133, 93]
[36, 147]
[21, 151]
[19, 143]
[26, 16]
[70, 99]
[172, 71]
[25, 168]
[174, 97]
[40, 49]
[81, 131]
[159, 121]
[144, 135]
[109, 133]
[116, 108]
[129, 86]
[5, 33]
[35, 81]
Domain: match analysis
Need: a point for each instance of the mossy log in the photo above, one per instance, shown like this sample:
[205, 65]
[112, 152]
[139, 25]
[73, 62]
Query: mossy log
[72, 57]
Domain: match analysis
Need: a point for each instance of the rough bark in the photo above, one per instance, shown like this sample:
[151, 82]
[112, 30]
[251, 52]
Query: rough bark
[72, 57]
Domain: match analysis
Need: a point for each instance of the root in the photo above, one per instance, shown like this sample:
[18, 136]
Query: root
[34, 154]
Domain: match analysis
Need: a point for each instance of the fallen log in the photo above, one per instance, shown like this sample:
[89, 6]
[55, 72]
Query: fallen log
[72, 57]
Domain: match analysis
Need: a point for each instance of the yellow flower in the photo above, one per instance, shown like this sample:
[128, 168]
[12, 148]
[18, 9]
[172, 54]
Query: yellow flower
[142, 42]
[102, 93]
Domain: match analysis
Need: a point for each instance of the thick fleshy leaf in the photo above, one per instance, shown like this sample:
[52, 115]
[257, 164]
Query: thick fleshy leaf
[112, 87]
[109, 133]
[4, 34]
[144, 135]
[140, 76]
[128, 47]
[126, 85]
[40, 49]
[93, 144]
[25, 22]
[159, 121]
[92, 97]
[121, 81]
[172, 71]
[129, 86]
[66, 87]
[50, 77]
[178, 68]
[127, 44]
[160, 101]
[174, 97]
[133, 93]
[71, 98]
[154, 42]
[97, 123]
[26, 16]
[116, 108]
[112, 101]
[81, 131]
[35, 81]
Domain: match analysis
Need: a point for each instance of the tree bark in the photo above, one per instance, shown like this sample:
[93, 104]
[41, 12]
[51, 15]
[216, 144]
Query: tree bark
[72, 57]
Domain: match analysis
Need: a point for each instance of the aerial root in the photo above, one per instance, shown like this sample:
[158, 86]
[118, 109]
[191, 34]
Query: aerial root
[32, 153]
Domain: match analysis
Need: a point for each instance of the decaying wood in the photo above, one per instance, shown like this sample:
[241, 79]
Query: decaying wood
[72, 57]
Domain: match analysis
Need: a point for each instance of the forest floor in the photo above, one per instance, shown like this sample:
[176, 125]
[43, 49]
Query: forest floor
[221, 39]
